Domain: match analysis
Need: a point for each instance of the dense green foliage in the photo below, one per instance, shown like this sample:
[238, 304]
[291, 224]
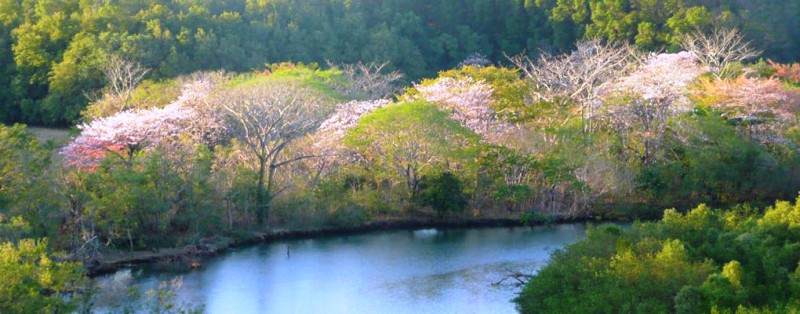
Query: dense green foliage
[409, 141]
[728, 171]
[740, 260]
[444, 192]
[52, 52]
[24, 188]
[33, 282]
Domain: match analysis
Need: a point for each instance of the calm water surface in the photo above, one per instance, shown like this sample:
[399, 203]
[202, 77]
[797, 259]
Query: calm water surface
[421, 271]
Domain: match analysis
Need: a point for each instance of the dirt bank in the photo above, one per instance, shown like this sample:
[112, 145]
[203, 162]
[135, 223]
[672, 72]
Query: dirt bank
[193, 254]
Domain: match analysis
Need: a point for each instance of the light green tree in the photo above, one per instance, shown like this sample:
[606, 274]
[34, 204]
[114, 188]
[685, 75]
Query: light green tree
[405, 141]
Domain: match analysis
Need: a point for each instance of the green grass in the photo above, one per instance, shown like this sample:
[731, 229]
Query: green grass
[321, 81]
[59, 137]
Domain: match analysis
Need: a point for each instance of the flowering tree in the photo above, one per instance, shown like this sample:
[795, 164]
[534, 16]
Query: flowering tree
[476, 59]
[757, 105]
[663, 76]
[127, 132]
[788, 72]
[347, 116]
[751, 99]
[326, 142]
[207, 125]
[124, 134]
[638, 106]
[469, 100]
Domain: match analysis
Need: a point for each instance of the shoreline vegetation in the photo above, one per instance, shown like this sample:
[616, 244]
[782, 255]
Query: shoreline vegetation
[735, 260]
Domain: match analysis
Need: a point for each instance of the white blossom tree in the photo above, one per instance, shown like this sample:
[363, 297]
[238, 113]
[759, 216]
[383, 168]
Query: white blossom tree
[637, 106]
[347, 116]
[207, 125]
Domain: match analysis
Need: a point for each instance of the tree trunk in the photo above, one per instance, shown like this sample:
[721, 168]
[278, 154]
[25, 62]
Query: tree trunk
[268, 191]
[261, 194]
[230, 219]
[130, 239]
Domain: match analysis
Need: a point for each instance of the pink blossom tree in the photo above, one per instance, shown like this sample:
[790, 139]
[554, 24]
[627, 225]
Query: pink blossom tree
[759, 106]
[788, 72]
[326, 142]
[124, 134]
[748, 98]
[127, 132]
[470, 102]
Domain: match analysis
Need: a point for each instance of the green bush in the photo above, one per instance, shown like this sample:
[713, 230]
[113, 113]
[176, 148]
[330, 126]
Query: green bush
[444, 192]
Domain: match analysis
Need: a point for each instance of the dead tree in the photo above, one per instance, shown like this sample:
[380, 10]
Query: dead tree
[518, 278]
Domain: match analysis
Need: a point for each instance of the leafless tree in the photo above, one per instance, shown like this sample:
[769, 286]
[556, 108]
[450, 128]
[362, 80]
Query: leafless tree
[719, 49]
[122, 76]
[266, 119]
[369, 80]
[578, 77]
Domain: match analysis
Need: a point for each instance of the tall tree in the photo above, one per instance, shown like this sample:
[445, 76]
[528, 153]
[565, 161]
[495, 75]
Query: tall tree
[267, 118]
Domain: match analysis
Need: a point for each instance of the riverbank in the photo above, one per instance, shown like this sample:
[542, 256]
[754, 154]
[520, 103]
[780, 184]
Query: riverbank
[193, 255]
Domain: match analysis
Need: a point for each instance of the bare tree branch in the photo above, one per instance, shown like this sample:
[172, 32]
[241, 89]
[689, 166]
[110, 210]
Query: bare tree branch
[368, 80]
[122, 77]
[579, 77]
[719, 49]
[267, 118]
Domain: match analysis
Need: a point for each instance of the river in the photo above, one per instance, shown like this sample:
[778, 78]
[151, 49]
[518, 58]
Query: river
[420, 271]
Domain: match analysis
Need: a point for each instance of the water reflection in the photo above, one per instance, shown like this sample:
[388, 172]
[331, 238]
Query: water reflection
[421, 271]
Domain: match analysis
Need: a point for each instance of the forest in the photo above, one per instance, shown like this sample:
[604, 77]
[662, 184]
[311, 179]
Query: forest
[52, 51]
[217, 121]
